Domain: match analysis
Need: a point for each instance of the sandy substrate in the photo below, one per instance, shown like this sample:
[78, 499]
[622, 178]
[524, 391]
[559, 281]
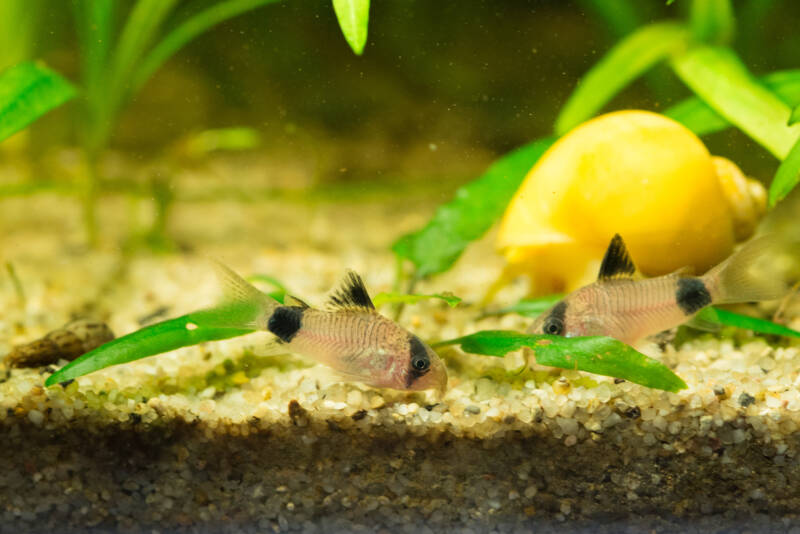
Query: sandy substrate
[221, 438]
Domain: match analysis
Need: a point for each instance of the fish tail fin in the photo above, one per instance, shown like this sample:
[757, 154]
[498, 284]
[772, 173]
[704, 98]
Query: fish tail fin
[242, 305]
[748, 275]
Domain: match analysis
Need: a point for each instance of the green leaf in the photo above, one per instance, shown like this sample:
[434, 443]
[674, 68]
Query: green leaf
[476, 206]
[189, 29]
[795, 117]
[387, 298]
[729, 318]
[711, 21]
[205, 142]
[696, 115]
[353, 16]
[28, 91]
[530, 307]
[719, 78]
[626, 61]
[191, 329]
[787, 176]
[599, 355]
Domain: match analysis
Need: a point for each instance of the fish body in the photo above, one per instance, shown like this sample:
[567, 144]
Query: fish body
[619, 306]
[350, 336]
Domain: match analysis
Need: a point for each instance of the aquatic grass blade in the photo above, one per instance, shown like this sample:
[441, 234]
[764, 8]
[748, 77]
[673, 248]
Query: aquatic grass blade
[531, 308]
[599, 355]
[353, 17]
[630, 58]
[392, 297]
[198, 327]
[718, 76]
[476, 206]
[28, 91]
[795, 117]
[786, 177]
[696, 115]
[729, 318]
[712, 21]
[186, 31]
[19, 23]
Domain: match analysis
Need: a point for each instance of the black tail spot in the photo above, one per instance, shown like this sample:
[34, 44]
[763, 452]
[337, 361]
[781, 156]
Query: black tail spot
[285, 322]
[692, 295]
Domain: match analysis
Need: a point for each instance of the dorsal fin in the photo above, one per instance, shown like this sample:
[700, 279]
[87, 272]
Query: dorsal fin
[617, 263]
[351, 294]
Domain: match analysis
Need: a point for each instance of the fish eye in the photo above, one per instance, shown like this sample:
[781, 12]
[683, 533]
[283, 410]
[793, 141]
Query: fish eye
[420, 363]
[553, 326]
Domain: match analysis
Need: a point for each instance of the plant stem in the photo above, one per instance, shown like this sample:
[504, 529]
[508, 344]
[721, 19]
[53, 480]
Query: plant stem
[89, 196]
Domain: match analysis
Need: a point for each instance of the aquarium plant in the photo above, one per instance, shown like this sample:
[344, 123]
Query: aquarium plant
[698, 53]
[117, 60]
[28, 91]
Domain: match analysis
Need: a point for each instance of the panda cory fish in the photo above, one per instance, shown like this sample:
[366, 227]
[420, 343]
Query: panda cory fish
[349, 335]
[628, 309]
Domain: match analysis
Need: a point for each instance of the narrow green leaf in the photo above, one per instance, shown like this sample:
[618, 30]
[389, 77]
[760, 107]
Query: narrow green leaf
[786, 177]
[94, 20]
[625, 62]
[530, 307]
[711, 21]
[718, 77]
[795, 118]
[599, 355]
[20, 21]
[207, 141]
[696, 115]
[353, 17]
[187, 30]
[388, 298]
[28, 91]
[271, 280]
[476, 206]
[729, 318]
[617, 17]
[197, 327]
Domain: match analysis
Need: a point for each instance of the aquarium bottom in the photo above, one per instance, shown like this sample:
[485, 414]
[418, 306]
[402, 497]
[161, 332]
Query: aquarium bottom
[340, 474]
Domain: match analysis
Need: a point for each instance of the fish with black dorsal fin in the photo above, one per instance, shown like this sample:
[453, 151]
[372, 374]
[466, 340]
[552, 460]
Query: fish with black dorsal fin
[628, 309]
[349, 336]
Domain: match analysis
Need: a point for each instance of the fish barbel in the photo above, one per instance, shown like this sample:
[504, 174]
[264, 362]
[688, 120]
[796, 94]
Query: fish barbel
[619, 306]
[349, 336]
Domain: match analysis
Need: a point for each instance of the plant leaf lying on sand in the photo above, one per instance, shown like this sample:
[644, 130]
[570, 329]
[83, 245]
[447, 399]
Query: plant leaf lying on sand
[599, 355]
[28, 91]
[386, 298]
[191, 329]
[729, 318]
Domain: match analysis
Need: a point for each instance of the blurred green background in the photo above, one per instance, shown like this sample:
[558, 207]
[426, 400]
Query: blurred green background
[441, 88]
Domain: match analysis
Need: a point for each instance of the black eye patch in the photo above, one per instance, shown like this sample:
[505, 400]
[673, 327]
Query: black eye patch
[420, 362]
[554, 322]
